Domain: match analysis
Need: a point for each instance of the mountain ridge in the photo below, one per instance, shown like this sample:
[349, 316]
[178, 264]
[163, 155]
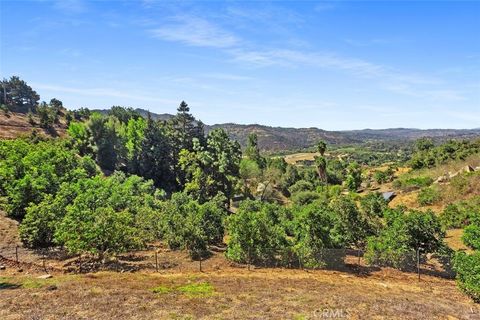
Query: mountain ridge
[277, 138]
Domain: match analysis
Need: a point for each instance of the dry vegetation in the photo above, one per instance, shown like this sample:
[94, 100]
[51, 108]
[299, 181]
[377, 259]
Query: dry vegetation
[15, 125]
[302, 156]
[232, 293]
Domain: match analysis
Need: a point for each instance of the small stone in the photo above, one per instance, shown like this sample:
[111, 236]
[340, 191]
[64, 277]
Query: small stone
[20, 270]
[2, 267]
[45, 276]
[51, 287]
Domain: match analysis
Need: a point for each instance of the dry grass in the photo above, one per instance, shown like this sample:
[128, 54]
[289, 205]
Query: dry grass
[15, 125]
[233, 294]
[453, 239]
[302, 156]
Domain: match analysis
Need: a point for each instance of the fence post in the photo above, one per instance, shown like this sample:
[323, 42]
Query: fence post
[418, 262]
[156, 261]
[16, 253]
[43, 262]
[200, 263]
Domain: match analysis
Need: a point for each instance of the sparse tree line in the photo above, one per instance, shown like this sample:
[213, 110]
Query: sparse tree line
[120, 181]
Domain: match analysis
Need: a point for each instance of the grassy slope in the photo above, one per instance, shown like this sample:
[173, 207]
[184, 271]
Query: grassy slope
[15, 125]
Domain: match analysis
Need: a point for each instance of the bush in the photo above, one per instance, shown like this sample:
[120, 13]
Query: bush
[373, 204]
[471, 235]
[301, 186]
[98, 231]
[255, 237]
[453, 217]
[467, 267]
[412, 183]
[183, 216]
[305, 197]
[29, 171]
[428, 196]
[312, 226]
[403, 234]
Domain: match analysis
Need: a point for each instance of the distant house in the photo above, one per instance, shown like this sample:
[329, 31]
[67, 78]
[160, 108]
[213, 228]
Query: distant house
[388, 196]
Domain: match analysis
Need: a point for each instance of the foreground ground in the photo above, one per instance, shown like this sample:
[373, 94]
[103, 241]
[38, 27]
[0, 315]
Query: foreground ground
[231, 293]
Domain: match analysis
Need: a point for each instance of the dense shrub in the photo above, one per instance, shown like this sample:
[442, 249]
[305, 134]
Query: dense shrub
[29, 171]
[467, 267]
[428, 155]
[428, 196]
[403, 234]
[255, 237]
[305, 197]
[471, 235]
[460, 213]
[300, 186]
[412, 183]
[373, 204]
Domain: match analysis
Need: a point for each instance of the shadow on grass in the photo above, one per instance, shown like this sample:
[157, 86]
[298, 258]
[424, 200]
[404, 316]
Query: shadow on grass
[7, 285]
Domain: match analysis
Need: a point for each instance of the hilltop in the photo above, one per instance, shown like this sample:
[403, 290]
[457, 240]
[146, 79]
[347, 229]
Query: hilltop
[275, 139]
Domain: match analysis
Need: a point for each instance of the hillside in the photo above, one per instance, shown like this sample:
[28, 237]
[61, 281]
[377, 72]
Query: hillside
[270, 139]
[16, 124]
[274, 139]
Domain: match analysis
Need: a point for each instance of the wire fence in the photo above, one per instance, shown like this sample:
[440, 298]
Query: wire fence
[159, 259]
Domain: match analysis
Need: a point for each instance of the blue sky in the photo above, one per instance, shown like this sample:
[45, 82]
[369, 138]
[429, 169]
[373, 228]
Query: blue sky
[328, 64]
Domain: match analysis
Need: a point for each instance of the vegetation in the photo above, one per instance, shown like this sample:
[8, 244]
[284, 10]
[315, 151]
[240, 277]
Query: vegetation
[467, 265]
[428, 196]
[120, 181]
[429, 155]
[405, 233]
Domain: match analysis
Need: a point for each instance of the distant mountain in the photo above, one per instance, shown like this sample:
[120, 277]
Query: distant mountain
[282, 139]
[274, 139]
[142, 112]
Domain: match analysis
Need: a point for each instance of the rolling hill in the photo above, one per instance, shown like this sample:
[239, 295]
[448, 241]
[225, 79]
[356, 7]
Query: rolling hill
[275, 139]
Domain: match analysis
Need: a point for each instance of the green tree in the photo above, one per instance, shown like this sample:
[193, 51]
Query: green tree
[57, 109]
[255, 235]
[321, 147]
[250, 174]
[80, 137]
[467, 267]
[312, 226]
[155, 155]
[252, 151]
[18, 95]
[404, 234]
[212, 169]
[354, 176]
[99, 231]
[105, 140]
[46, 115]
[471, 234]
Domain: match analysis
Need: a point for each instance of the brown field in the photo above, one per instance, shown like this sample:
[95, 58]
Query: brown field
[16, 125]
[232, 294]
[302, 156]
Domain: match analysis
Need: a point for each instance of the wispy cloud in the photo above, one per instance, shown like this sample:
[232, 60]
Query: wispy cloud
[225, 76]
[195, 32]
[71, 6]
[102, 92]
[325, 6]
